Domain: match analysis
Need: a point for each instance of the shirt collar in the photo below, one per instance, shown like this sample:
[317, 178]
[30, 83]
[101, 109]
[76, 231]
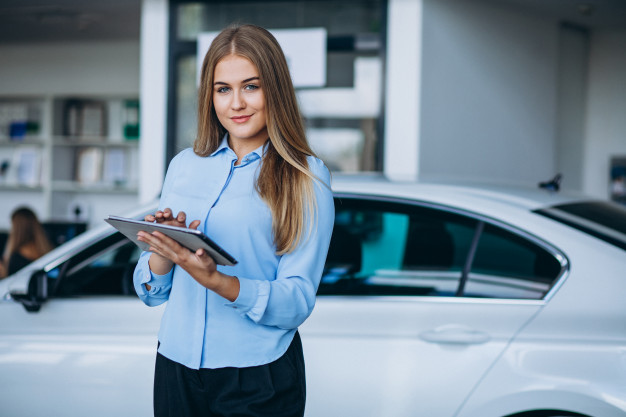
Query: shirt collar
[223, 145]
[260, 151]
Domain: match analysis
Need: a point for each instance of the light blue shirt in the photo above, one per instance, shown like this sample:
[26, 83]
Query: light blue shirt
[199, 328]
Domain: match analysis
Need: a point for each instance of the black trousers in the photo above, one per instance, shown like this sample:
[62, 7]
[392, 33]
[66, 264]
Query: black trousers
[277, 389]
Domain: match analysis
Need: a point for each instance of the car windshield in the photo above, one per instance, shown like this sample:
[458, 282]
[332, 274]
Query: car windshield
[604, 220]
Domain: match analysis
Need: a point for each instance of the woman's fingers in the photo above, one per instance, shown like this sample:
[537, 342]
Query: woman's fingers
[167, 216]
[162, 245]
[163, 215]
[194, 224]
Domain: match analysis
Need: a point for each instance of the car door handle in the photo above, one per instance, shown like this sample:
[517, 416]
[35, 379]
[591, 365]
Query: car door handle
[455, 334]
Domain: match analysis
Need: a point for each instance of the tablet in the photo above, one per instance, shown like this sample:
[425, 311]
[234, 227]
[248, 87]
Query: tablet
[189, 238]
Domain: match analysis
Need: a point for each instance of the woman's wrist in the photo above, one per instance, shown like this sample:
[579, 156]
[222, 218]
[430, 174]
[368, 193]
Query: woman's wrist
[225, 285]
[160, 265]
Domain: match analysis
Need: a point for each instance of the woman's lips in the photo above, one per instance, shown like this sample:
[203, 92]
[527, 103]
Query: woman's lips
[240, 119]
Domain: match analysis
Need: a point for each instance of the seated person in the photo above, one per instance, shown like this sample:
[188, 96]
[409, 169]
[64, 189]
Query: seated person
[27, 241]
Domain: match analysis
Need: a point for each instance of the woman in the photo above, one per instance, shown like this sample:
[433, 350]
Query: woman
[27, 241]
[228, 343]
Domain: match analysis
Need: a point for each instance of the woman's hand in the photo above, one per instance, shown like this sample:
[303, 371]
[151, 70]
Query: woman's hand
[160, 264]
[198, 264]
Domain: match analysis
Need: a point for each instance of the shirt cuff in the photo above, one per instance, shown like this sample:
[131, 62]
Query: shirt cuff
[155, 281]
[252, 299]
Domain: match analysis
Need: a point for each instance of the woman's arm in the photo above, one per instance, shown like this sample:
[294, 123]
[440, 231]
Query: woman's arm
[289, 299]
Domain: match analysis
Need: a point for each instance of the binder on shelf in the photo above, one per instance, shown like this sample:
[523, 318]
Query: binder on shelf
[92, 120]
[131, 119]
[89, 165]
[114, 168]
[27, 165]
[84, 118]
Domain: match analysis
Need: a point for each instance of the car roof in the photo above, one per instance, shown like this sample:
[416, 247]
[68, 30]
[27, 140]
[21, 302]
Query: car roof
[472, 196]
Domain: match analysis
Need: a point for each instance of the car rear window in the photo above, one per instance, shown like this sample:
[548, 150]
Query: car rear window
[602, 219]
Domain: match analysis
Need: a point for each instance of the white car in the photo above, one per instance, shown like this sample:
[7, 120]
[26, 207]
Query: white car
[437, 301]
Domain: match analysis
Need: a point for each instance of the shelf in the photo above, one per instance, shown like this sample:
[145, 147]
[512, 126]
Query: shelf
[61, 151]
[95, 188]
[17, 187]
[75, 141]
[18, 143]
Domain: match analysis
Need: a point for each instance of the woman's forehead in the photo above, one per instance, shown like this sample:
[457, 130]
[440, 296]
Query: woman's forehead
[235, 64]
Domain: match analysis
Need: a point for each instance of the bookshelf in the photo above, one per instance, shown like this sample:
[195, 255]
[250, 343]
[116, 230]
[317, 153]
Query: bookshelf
[70, 158]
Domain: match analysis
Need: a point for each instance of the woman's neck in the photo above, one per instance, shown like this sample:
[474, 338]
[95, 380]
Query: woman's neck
[243, 147]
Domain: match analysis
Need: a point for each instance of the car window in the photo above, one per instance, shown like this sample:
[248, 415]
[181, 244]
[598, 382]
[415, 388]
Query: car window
[396, 248]
[104, 268]
[602, 219]
[507, 265]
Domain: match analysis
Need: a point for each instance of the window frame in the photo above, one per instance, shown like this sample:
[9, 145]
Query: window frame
[81, 258]
[481, 220]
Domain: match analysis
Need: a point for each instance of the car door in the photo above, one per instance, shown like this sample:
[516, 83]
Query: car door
[90, 349]
[417, 301]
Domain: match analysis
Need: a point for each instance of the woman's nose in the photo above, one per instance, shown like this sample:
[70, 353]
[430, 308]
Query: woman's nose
[238, 101]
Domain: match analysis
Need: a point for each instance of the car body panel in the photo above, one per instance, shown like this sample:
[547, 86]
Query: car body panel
[73, 354]
[400, 343]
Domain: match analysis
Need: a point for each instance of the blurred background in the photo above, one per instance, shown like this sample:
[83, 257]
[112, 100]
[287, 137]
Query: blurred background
[96, 97]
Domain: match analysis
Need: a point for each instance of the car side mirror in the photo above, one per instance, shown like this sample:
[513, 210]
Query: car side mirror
[37, 292]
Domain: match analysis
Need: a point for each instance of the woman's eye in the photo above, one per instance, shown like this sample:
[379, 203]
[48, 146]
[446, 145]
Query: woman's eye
[222, 90]
[251, 87]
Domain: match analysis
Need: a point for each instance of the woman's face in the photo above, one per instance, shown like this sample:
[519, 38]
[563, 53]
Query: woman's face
[239, 101]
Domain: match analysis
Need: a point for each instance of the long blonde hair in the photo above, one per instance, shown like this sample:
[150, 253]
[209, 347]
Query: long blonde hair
[26, 230]
[285, 181]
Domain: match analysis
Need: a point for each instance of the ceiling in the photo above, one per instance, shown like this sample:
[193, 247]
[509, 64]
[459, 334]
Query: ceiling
[592, 14]
[93, 20]
[68, 20]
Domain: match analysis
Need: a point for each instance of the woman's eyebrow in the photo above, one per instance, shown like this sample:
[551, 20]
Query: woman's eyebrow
[247, 80]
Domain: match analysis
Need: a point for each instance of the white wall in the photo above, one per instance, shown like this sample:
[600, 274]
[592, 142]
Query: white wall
[572, 105]
[70, 68]
[489, 94]
[606, 111]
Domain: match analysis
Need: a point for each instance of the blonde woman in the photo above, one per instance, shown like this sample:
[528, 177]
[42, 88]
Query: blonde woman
[228, 343]
[27, 241]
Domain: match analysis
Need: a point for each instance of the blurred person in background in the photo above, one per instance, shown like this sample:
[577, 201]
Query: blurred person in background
[27, 241]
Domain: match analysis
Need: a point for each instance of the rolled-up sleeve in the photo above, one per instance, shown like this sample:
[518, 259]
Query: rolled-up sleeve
[288, 300]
